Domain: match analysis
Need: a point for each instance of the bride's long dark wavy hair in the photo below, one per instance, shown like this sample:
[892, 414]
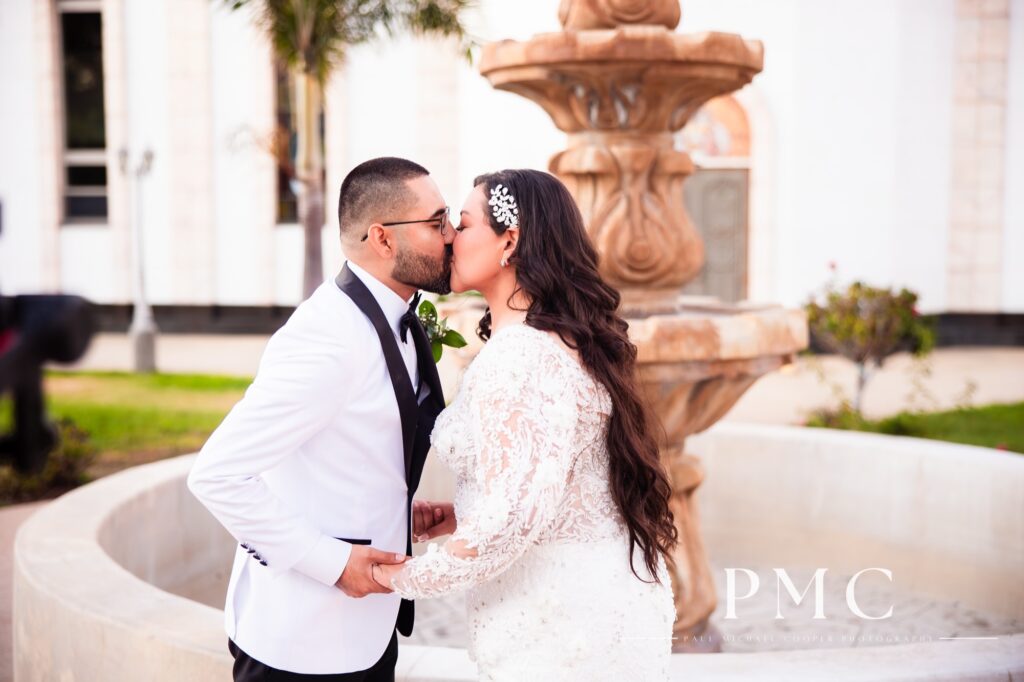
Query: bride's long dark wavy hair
[556, 267]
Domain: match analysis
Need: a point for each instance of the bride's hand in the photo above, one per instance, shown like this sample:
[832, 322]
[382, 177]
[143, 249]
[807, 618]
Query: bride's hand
[383, 573]
[432, 519]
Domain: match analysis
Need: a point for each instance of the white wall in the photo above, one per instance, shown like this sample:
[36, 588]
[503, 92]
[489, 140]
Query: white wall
[149, 108]
[862, 99]
[916, 232]
[498, 129]
[20, 245]
[860, 96]
[244, 175]
[850, 163]
[1013, 227]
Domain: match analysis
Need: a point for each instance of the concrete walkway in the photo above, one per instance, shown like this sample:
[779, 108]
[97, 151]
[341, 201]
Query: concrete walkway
[10, 519]
[948, 378]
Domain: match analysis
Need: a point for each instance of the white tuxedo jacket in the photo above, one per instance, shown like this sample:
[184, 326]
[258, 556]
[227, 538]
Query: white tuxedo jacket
[313, 452]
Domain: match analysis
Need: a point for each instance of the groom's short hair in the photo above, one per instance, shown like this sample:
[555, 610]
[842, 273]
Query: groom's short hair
[376, 190]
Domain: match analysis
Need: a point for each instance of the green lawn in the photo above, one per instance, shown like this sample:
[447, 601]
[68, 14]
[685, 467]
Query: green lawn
[132, 418]
[991, 426]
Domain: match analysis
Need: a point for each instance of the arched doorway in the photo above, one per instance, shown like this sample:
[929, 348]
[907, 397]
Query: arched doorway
[717, 196]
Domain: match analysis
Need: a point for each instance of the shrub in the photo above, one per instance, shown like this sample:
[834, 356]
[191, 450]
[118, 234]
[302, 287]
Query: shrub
[65, 468]
[866, 325]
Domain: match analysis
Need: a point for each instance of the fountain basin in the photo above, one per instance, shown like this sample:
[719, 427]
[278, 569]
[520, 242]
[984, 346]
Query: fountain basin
[697, 362]
[593, 80]
[106, 577]
[709, 330]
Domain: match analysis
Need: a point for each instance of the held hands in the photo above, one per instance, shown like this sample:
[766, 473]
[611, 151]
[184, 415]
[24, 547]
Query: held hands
[370, 570]
[383, 573]
[357, 578]
[431, 520]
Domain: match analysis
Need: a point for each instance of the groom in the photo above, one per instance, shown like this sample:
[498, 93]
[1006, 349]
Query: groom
[314, 470]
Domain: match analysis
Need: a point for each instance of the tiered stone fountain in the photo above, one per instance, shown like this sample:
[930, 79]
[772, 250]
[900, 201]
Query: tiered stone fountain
[620, 81]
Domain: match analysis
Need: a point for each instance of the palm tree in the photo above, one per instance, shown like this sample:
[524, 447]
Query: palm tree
[312, 37]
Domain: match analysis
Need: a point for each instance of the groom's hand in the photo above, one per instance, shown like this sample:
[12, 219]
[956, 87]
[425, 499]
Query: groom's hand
[357, 580]
[432, 519]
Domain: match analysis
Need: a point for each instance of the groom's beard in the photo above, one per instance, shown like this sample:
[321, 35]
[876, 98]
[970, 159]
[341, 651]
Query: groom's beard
[423, 272]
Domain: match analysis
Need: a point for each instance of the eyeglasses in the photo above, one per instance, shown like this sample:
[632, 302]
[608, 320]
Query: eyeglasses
[440, 221]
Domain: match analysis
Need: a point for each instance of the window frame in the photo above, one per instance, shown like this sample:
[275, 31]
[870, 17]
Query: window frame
[71, 158]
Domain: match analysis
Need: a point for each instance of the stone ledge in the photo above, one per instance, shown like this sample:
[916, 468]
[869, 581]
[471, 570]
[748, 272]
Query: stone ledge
[79, 615]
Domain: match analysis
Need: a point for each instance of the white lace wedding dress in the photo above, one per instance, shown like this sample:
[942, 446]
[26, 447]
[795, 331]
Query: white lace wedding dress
[551, 594]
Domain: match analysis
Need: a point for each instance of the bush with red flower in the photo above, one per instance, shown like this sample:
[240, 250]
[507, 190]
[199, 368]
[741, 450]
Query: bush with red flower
[866, 325]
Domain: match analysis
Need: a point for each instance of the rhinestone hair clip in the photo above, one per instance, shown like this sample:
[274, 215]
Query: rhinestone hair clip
[503, 206]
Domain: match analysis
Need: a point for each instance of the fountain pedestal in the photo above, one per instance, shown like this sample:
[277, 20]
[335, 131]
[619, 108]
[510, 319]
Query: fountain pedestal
[620, 82]
[694, 365]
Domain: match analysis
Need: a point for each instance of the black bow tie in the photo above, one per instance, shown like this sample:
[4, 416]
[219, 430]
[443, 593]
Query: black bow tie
[409, 318]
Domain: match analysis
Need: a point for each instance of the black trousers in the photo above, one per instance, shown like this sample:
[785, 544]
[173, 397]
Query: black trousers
[248, 669]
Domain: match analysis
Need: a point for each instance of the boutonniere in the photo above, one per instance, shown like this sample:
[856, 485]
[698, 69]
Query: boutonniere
[437, 331]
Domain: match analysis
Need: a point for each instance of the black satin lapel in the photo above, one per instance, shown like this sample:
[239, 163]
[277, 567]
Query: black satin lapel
[427, 366]
[400, 381]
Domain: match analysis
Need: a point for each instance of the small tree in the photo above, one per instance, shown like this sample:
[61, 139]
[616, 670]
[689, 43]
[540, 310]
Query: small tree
[866, 325]
[312, 37]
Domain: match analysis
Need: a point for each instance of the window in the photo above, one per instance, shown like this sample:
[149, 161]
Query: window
[286, 146]
[85, 139]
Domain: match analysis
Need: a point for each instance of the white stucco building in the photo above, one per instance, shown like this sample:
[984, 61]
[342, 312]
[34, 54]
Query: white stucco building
[886, 137]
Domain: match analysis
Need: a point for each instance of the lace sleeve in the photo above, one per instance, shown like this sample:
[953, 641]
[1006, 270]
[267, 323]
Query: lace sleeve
[523, 412]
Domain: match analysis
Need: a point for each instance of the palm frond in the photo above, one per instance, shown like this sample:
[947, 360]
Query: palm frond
[440, 17]
[314, 35]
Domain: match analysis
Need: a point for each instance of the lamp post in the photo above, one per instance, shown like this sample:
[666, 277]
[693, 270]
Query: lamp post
[143, 328]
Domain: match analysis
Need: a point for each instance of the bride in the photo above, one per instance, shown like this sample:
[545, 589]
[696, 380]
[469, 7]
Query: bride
[561, 504]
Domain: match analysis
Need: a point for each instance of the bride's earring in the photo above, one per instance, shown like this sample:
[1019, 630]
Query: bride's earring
[504, 262]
